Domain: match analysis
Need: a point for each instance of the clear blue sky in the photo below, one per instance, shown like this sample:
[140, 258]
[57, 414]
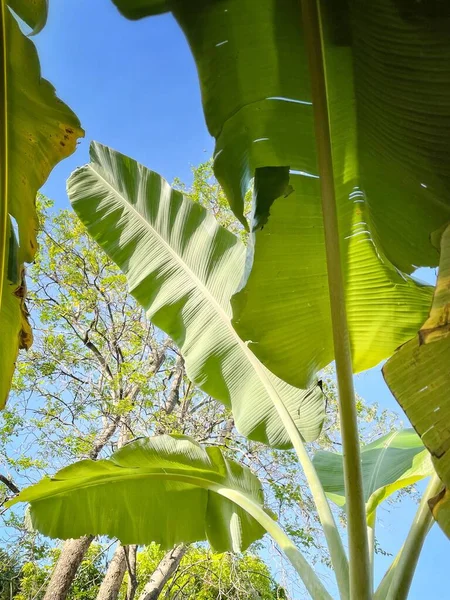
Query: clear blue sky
[134, 87]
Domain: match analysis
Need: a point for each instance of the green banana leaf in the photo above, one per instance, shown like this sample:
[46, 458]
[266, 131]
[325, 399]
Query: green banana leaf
[33, 12]
[164, 489]
[390, 463]
[136, 9]
[390, 124]
[182, 267]
[37, 130]
[419, 377]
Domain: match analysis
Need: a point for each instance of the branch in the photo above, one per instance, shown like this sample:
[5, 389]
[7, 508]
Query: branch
[9, 484]
[163, 572]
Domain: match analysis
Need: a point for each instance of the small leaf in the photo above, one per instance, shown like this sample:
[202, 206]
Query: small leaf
[392, 462]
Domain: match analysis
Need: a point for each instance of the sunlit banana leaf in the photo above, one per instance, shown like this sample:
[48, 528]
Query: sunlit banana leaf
[165, 489]
[183, 268]
[390, 463]
[419, 377]
[390, 124]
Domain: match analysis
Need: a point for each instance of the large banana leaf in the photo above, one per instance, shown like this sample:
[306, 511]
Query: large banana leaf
[183, 268]
[390, 124]
[390, 463]
[37, 130]
[165, 489]
[419, 377]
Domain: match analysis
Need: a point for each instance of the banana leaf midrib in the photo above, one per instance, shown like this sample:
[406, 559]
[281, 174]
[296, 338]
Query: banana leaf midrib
[213, 482]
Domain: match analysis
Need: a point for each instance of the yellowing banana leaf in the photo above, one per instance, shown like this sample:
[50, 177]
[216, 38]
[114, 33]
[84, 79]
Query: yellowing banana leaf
[390, 127]
[40, 131]
[440, 507]
[182, 267]
[15, 329]
[37, 130]
[164, 489]
[419, 377]
[390, 463]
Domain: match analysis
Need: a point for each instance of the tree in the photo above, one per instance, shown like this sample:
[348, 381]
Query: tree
[68, 402]
[9, 576]
[207, 576]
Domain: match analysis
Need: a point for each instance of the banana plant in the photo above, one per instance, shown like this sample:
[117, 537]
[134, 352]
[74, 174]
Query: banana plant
[37, 130]
[183, 268]
[340, 113]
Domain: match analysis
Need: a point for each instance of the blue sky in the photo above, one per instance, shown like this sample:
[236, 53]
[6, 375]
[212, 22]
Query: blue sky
[134, 87]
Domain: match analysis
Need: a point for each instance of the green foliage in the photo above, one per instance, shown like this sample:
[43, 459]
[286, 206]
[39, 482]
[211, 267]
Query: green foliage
[340, 113]
[10, 575]
[390, 463]
[207, 576]
[89, 325]
[206, 191]
[261, 117]
[34, 577]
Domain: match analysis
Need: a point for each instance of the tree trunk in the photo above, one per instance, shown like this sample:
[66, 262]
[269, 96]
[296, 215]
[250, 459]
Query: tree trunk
[72, 554]
[131, 566]
[163, 572]
[110, 587]
[174, 392]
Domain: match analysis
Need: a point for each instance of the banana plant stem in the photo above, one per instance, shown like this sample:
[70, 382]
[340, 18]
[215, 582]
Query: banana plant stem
[332, 536]
[409, 556]
[298, 561]
[371, 541]
[360, 578]
[3, 148]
